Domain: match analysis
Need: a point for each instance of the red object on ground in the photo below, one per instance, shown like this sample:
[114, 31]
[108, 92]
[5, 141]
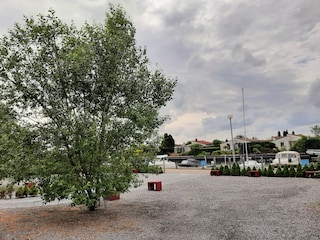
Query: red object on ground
[215, 173]
[253, 173]
[134, 170]
[114, 197]
[310, 173]
[155, 186]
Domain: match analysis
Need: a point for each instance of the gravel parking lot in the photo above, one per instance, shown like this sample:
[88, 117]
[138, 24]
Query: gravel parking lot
[191, 205]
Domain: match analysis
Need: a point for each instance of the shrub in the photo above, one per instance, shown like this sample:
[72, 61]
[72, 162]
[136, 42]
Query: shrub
[221, 169]
[270, 172]
[285, 171]
[278, 172]
[33, 191]
[235, 170]
[2, 193]
[311, 167]
[264, 172]
[292, 171]
[22, 192]
[226, 170]
[299, 172]
[244, 172]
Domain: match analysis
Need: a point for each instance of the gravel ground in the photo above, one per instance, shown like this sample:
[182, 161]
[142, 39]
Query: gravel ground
[191, 205]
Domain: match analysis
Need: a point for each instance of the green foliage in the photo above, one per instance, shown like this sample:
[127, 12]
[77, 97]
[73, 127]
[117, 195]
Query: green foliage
[264, 172]
[92, 96]
[316, 130]
[306, 143]
[244, 172]
[216, 143]
[278, 172]
[299, 172]
[285, 171]
[226, 170]
[235, 170]
[2, 192]
[292, 171]
[311, 167]
[33, 191]
[270, 172]
[167, 144]
[22, 191]
[305, 168]
[221, 168]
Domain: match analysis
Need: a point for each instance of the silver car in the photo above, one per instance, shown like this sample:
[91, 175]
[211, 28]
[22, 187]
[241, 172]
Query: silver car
[190, 163]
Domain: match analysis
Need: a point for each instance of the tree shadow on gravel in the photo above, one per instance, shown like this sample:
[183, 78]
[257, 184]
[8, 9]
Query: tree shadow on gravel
[65, 221]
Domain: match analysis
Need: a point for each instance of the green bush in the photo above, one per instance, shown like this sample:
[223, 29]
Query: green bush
[22, 191]
[292, 171]
[226, 170]
[278, 172]
[285, 171]
[270, 172]
[235, 170]
[221, 169]
[299, 172]
[33, 191]
[311, 167]
[2, 193]
[264, 172]
[244, 172]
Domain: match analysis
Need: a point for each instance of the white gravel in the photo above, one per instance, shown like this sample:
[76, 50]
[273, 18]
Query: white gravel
[199, 206]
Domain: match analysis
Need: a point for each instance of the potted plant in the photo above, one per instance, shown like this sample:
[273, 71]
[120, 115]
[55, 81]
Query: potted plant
[22, 192]
[33, 191]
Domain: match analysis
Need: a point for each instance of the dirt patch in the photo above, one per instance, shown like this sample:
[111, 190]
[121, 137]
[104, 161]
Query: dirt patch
[40, 222]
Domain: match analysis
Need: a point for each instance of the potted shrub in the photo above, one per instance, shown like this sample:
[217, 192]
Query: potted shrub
[292, 171]
[2, 193]
[33, 191]
[22, 192]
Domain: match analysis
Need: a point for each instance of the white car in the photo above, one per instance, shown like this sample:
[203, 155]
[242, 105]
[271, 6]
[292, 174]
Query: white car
[163, 161]
[251, 164]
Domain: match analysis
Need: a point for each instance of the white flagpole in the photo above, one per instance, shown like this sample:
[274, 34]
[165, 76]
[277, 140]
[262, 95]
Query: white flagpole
[244, 125]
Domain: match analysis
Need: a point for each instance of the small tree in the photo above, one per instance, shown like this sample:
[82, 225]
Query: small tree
[235, 170]
[285, 171]
[278, 172]
[292, 171]
[270, 172]
[167, 144]
[226, 170]
[244, 172]
[299, 172]
[316, 130]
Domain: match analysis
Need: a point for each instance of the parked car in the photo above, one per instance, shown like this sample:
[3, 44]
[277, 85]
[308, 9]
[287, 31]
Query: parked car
[251, 164]
[190, 163]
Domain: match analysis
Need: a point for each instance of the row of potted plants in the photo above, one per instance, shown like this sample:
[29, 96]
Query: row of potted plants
[20, 192]
[285, 171]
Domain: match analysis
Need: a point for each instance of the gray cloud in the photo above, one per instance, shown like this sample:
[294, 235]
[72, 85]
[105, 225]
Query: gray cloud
[216, 48]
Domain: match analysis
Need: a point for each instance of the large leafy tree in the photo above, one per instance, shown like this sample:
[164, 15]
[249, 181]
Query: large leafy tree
[89, 94]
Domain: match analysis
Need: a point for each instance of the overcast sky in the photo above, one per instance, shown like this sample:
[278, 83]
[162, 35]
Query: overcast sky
[216, 48]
